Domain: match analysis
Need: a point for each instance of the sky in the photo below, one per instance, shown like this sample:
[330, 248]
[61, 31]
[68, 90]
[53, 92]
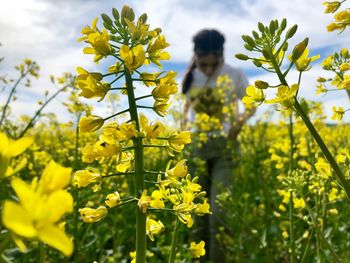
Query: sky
[47, 32]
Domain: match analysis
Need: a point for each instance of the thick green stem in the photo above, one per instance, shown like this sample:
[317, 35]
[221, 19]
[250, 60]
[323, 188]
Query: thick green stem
[139, 174]
[314, 133]
[173, 242]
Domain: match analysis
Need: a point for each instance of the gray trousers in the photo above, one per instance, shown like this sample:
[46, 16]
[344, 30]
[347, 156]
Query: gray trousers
[218, 162]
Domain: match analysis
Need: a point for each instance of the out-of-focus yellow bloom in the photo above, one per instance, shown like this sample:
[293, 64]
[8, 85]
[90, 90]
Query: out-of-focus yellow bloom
[90, 123]
[54, 177]
[285, 234]
[41, 205]
[328, 62]
[83, 178]
[197, 250]
[338, 113]
[179, 170]
[331, 7]
[10, 148]
[133, 58]
[344, 67]
[202, 209]
[144, 201]
[153, 227]
[90, 215]
[345, 83]
[90, 84]
[253, 95]
[323, 167]
[285, 194]
[178, 140]
[298, 202]
[113, 199]
[333, 211]
[321, 89]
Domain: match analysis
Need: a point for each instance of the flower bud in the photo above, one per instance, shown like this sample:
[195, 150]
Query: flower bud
[344, 52]
[290, 33]
[299, 49]
[242, 57]
[128, 13]
[261, 84]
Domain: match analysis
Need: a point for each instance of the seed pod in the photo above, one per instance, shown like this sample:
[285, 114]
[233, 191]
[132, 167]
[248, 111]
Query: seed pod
[299, 49]
[290, 33]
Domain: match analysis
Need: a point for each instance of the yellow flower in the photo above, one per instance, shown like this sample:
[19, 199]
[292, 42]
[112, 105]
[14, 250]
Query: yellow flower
[331, 7]
[83, 178]
[149, 79]
[303, 62]
[150, 131]
[345, 84]
[323, 168]
[202, 209]
[133, 58]
[161, 108]
[153, 227]
[144, 201]
[113, 199]
[90, 84]
[155, 50]
[328, 62]
[157, 199]
[253, 95]
[298, 202]
[54, 177]
[338, 113]
[344, 67]
[90, 123]
[125, 162]
[285, 96]
[177, 140]
[166, 86]
[10, 148]
[41, 205]
[98, 40]
[179, 170]
[197, 250]
[91, 215]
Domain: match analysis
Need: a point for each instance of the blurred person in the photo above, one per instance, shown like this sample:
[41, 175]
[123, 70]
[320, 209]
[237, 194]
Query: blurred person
[200, 87]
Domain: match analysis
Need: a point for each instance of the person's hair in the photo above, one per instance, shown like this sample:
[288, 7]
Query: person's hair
[206, 42]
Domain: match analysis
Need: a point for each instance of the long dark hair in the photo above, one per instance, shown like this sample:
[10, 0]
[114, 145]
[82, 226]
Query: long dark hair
[206, 42]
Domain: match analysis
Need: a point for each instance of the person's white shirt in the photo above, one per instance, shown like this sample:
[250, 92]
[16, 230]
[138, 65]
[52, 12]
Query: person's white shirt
[200, 80]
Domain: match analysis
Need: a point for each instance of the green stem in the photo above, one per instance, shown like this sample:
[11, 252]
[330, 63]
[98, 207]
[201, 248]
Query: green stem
[31, 122]
[173, 242]
[320, 233]
[10, 96]
[139, 174]
[143, 97]
[118, 113]
[314, 133]
[291, 208]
